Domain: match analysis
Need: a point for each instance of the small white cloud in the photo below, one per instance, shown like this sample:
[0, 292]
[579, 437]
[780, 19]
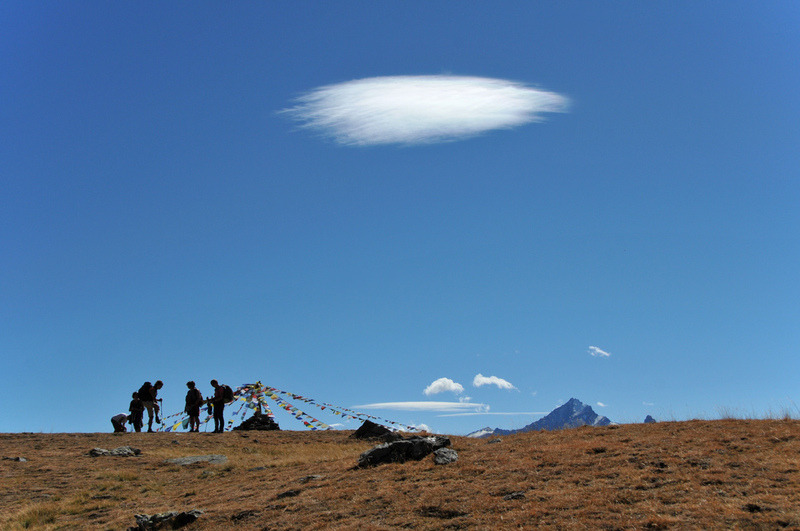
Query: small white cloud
[420, 109]
[594, 351]
[443, 385]
[480, 380]
[648, 404]
[422, 427]
[445, 407]
[600, 404]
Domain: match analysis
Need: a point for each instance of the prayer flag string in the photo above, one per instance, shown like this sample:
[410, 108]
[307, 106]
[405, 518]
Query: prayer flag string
[254, 398]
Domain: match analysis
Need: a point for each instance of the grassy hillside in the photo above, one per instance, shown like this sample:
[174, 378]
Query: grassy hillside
[725, 474]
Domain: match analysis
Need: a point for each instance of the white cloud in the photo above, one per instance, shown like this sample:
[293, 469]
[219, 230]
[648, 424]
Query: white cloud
[594, 351]
[442, 385]
[480, 380]
[420, 109]
[445, 407]
[600, 404]
[494, 413]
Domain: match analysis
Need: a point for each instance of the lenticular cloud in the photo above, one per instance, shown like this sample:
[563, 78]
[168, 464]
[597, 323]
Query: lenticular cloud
[420, 109]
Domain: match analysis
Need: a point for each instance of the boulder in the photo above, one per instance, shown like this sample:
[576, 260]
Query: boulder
[445, 456]
[413, 448]
[370, 430]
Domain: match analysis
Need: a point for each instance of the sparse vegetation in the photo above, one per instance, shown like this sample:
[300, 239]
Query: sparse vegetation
[700, 474]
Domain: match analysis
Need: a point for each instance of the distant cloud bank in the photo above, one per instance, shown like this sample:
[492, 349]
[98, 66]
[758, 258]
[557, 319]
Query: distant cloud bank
[420, 109]
[443, 385]
[446, 407]
[480, 380]
[594, 351]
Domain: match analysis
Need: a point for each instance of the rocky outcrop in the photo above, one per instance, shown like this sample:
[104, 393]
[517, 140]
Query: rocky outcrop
[169, 520]
[411, 449]
[649, 420]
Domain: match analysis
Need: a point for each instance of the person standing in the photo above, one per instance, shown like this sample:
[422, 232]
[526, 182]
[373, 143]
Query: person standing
[137, 412]
[149, 396]
[194, 399]
[219, 406]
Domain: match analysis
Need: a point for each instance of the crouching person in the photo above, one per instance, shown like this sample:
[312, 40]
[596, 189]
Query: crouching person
[118, 421]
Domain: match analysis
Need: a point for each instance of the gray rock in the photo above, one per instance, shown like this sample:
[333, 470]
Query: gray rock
[125, 451]
[413, 448]
[17, 459]
[514, 496]
[122, 451]
[214, 459]
[168, 520]
[445, 456]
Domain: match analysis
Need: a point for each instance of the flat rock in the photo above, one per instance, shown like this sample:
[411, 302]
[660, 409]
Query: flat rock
[214, 459]
[122, 451]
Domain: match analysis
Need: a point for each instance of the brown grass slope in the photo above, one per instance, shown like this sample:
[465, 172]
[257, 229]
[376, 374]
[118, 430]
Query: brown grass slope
[725, 474]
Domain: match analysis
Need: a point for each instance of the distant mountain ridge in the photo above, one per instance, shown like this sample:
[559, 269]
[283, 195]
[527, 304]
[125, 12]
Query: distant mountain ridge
[572, 414]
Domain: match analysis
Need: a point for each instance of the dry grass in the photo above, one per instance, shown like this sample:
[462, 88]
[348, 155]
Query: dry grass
[725, 474]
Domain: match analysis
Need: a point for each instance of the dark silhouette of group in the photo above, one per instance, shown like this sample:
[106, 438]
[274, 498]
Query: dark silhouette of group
[147, 398]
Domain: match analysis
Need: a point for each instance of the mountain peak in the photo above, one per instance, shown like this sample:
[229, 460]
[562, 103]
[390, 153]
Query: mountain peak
[571, 414]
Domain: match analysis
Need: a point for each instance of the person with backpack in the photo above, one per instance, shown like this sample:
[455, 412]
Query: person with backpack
[149, 397]
[194, 399]
[137, 412]
[222, 395]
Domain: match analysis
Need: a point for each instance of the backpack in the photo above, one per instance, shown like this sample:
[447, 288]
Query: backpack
[144, 392]
[198, 397]
[227, 393]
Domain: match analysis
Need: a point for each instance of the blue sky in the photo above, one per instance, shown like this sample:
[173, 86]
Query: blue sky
[167, 212]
